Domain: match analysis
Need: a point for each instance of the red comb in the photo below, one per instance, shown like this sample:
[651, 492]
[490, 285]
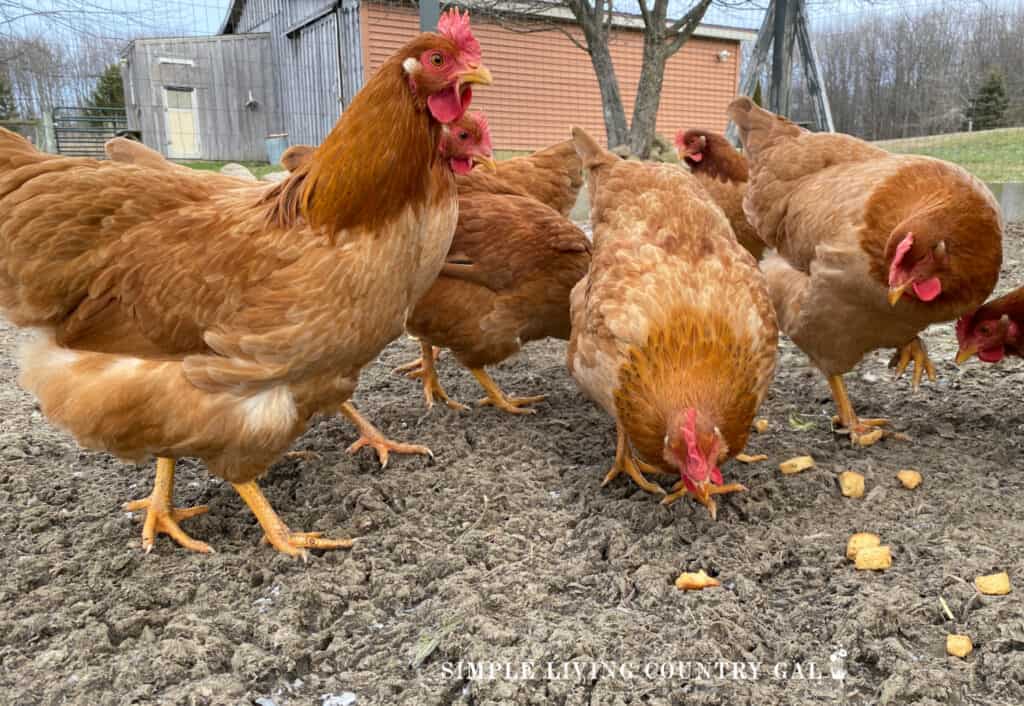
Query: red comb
[901, 250]
[696, 465]
[963, 326]
[680, 139]
[485, 130]
[455, 26]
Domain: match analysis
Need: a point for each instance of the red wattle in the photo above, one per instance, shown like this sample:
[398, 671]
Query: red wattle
[992, 355]
[461, 165]
[697, 157]
[928, 290]
[446, 106]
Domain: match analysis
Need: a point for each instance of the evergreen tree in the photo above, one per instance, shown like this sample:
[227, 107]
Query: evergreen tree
[8, 108]
[988, 108]
[109, 91]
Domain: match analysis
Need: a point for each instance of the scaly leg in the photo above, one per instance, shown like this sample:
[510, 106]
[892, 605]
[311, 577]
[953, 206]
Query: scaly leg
[277, 532]
[624, 461]
[372, 436]
[431, 385]
[680, 489]
[914, 352]
[861, 431]
[414, 369]
[162, 516]
[512, 405]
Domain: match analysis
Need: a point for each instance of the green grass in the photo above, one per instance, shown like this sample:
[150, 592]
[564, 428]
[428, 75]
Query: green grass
[991, 155]
[257, 168]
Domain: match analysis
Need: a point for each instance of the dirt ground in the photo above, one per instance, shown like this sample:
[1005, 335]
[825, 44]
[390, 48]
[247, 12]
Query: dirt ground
[507, 550]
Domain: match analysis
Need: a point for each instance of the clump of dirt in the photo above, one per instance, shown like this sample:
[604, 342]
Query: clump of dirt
[505, 550]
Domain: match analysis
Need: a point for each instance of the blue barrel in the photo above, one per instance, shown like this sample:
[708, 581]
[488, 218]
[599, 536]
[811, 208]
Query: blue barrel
[276, 145]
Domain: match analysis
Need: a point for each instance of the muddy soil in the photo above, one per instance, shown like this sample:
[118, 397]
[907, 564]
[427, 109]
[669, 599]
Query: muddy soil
[505, 549]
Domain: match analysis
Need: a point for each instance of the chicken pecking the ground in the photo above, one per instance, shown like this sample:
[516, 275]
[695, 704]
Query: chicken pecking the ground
[723, 172]
[651, 341]
[505, 282]
[553, 176]
[872, 247]
[993, 331]
[464, 143]
[182, 320]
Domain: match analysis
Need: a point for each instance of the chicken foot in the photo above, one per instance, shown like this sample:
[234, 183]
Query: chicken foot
[161, 515]
[624, 461]
[914, 352]
[680, 490]
[424, 369]
[863, 432]
[277, 532]
[495, 396]
[372, 436]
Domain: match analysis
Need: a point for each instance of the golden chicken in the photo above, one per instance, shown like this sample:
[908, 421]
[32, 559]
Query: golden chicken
[723, 172]
[993, 331]
[505, 282]
[182, 320]
[872, 247]
[653, 341]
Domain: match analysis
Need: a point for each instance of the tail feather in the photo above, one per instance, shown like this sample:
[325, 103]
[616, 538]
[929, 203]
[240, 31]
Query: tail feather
[759, 128]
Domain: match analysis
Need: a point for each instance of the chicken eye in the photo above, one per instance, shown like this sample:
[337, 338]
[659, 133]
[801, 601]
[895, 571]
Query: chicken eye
[436, 59]
[463, 135]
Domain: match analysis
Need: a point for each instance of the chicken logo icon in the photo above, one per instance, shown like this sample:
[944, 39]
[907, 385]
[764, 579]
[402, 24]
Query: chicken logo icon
[837, 664]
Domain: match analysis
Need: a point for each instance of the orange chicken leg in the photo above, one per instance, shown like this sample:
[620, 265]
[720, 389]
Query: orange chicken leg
[680, 489]
[914, 352]
[863, 432]
[624, 461]
[277, 532]
[512, 405]
[424, 369]
[162, 516]
[372, 436]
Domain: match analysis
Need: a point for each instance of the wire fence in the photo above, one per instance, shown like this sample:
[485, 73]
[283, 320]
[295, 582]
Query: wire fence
[210, 81]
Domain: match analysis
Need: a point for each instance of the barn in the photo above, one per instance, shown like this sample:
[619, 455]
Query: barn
[306, 59]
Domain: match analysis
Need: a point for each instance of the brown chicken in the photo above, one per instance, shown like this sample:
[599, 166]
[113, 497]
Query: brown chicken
[723, 172]
[467, 137]
[552, 175]
[993, 331]
[505, 282]
[180, 322]
[652, 342]
[872, 247]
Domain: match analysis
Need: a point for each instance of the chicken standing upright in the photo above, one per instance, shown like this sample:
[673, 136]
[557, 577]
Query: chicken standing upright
[505, 282]
[653, 340]
[993, 331]
[184, 320]
[723, 172]
[872, 247]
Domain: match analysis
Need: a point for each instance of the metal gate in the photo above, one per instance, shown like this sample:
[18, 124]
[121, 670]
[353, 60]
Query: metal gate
[81, 132]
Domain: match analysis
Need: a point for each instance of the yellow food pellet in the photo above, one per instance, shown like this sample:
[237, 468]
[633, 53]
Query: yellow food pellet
[851, 484]
[695, 582]
[795, 465]
[994, 584]
[910, 479]
[873, 558]
[744, 458]
[870, 438]
[761, 425]
[861, 540]
[959, 645]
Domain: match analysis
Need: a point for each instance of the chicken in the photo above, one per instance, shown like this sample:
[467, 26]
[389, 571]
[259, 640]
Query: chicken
[183, 320]
[552, 175]
[723, 173]
[652, 343]
[466, 139]
[505, 282]
[872, 247]
[127, 151]
[993, 331]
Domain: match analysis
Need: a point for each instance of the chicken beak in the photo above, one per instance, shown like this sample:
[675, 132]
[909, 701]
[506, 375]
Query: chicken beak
[896, 293]
[478, 74]
[486, 162]
[966, 353]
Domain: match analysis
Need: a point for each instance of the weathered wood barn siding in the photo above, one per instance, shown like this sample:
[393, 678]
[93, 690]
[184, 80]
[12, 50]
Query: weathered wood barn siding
[236, 105]
[316, 55]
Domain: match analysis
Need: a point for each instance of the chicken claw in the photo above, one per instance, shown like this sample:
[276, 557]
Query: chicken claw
[276, 532]
[414, 369]
[495, 396]
[680, 490]
[161, 515]
[863, 432]
[424, 369]
[372, 436]
[914, 352]
[624, 461]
